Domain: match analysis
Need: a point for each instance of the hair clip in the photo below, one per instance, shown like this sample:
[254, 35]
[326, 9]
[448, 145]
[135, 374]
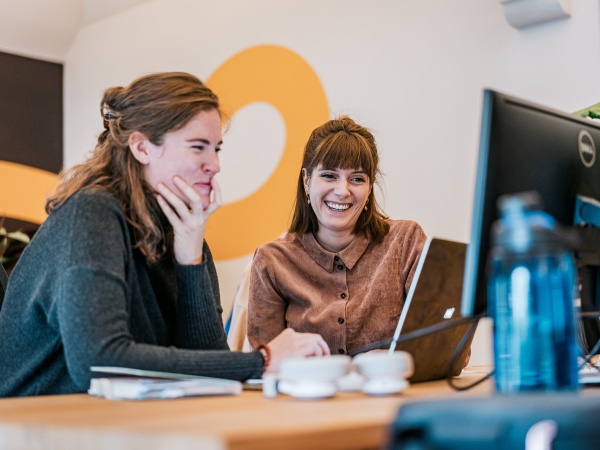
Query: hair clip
[107, 115]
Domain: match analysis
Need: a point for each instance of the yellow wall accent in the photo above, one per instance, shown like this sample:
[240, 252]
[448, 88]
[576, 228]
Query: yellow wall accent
[23, 191]
[281, 78]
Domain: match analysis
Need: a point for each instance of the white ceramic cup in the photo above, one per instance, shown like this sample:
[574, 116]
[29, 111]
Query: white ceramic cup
[386, 373]
[312, 378]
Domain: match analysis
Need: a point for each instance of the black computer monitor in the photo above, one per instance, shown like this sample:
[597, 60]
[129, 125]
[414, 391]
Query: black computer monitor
[527, 147]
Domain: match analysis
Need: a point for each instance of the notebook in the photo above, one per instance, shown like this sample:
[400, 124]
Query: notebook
[434, 297]
[134, 384]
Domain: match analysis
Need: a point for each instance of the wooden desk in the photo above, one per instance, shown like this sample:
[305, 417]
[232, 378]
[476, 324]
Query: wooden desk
[248, 421]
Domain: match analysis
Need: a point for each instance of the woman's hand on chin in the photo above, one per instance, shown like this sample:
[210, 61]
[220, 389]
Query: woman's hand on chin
[188, 218]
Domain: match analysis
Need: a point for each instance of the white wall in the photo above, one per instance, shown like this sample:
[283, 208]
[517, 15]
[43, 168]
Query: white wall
[39, 29]
[94, 10]
[412, 70]
[45, 29]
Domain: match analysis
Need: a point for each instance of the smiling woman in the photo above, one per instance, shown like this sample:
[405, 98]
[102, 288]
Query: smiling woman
[344, 268]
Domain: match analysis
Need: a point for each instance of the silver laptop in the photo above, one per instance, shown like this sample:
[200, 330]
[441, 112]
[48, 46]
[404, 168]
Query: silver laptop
[434, 297]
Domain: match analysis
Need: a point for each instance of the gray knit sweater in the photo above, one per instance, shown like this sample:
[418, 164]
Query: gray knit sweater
[81, 296]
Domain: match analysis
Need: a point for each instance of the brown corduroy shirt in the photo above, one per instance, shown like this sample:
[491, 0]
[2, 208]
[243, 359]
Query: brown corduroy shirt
[352, 298]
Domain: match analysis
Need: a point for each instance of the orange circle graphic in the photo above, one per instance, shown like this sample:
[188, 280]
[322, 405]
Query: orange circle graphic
[281, 78]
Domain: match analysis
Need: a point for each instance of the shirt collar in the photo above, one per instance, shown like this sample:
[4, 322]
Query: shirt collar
[326, 259]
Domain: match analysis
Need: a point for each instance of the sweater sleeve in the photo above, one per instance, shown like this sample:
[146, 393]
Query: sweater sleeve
[199, 311]
[95, 332]
[94, 312]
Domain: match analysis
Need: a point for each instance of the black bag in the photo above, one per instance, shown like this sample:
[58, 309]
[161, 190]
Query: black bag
[558, 421]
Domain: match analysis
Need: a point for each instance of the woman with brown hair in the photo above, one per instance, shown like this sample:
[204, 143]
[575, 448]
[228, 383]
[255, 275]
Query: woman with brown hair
[119, 273]
[344, 269]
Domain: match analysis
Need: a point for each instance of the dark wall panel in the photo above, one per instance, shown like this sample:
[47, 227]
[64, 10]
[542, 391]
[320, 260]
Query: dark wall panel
[31, 112]
[31, 115]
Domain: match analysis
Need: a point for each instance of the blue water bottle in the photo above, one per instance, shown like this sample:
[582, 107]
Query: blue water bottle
[532, 287]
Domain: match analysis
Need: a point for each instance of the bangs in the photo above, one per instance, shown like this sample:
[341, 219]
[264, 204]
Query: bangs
[344, 150]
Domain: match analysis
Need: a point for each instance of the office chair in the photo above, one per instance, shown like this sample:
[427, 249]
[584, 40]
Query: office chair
[235, 327]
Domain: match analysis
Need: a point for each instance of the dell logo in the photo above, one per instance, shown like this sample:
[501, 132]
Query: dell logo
[448, 314]
[587, 149]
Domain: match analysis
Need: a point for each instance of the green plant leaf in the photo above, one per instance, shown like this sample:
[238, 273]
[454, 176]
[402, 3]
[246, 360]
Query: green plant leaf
[587, 112]
[19, 236]
[593, 115]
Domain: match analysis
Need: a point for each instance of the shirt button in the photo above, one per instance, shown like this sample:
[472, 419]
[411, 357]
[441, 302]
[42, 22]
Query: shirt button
[336, 258]
[341, 320]
[341, 351]
[340, 267]
[343, 295]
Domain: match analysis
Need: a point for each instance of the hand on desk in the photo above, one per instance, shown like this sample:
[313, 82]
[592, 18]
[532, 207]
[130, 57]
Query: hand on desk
[291, 343]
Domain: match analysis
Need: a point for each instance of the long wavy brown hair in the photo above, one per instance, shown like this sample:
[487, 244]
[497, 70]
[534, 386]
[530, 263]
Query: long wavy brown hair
[152, 105]
[342, 144]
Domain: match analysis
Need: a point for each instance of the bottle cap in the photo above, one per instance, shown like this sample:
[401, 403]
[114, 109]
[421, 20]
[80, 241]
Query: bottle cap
[522, 224]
